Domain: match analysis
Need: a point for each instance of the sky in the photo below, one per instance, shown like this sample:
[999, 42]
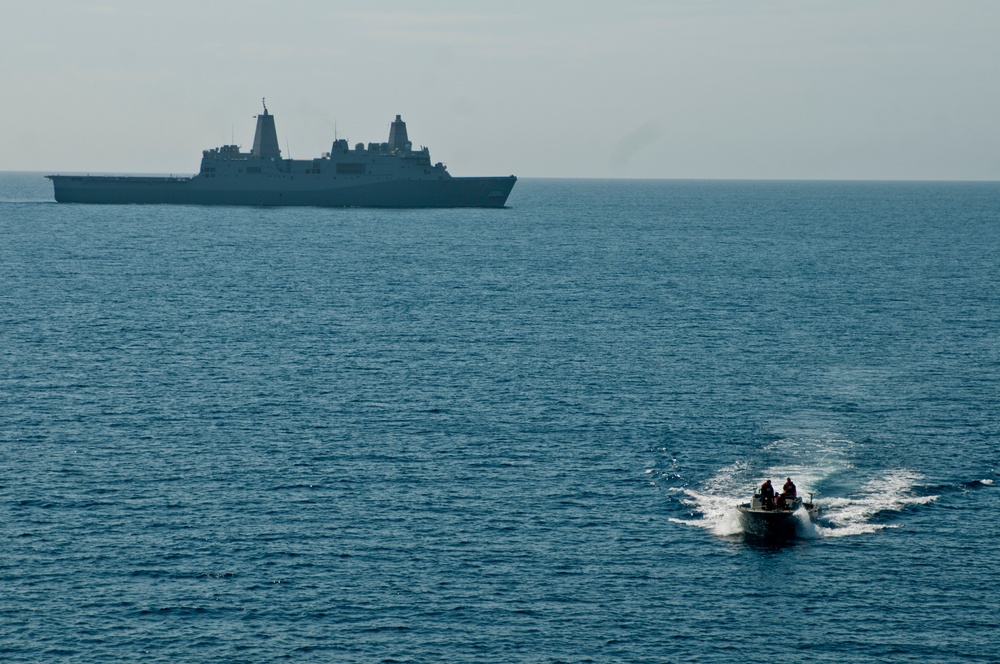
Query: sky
[716, 89]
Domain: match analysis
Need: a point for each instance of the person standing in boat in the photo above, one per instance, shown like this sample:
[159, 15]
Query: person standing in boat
[767, 495]
[788, 491]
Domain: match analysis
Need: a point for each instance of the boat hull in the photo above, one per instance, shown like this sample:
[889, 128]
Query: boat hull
[773, 524]
[484, 192]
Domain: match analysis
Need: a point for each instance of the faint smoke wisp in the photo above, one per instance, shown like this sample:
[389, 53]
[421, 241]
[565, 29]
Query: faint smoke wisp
[641, 137]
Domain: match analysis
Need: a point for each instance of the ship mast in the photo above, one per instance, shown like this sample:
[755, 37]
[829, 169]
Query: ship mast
[265, 140]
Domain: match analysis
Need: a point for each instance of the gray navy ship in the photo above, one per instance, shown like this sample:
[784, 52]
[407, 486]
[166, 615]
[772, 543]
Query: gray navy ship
[390, 174]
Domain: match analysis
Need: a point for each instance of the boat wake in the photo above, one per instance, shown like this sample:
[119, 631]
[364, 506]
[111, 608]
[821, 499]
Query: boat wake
[863, 510]
[856, 514]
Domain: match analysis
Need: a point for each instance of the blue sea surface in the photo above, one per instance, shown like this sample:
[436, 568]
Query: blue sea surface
[237, 434]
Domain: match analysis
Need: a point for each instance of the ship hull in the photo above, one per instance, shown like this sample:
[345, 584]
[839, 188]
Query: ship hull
[478, 192]
[768, 525]
[773, 524]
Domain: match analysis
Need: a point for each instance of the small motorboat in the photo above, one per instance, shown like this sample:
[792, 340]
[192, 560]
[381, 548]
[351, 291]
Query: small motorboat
[778, 521]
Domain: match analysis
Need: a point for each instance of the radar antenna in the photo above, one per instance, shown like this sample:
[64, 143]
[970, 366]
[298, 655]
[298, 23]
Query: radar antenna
[263, 102]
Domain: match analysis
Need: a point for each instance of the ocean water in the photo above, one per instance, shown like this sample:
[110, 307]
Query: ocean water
[517, 435]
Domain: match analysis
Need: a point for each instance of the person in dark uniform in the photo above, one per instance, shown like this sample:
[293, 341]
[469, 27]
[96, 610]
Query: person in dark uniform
[788, 491]
[767, 495]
